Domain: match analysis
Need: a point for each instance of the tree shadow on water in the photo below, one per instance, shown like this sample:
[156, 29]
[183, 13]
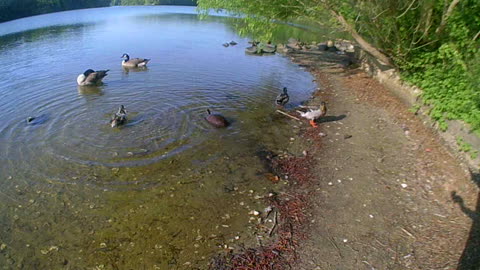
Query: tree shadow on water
[470, 258]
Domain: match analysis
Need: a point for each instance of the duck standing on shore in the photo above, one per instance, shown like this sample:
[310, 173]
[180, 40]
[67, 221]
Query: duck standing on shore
[282, 98]
[91, 77]
[216, 120]
[313, 115]
[119, 118]
[133, 62]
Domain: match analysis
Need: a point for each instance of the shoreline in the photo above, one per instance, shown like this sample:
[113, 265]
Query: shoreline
[380, 190]
[385, 181]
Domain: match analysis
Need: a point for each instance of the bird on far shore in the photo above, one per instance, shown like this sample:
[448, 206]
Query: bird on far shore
[133, 62]
[313, 115]
[119, 118]
[91, 77]
[282, 98]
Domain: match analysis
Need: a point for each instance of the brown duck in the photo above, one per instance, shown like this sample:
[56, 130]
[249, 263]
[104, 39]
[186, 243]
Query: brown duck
[216, 120]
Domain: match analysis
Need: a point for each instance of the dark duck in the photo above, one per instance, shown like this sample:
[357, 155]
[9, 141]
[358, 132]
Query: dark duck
[119, 118]
[282, 98]
[216, 120]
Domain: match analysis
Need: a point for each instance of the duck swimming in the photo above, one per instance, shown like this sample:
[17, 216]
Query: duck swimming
[314, 114]
[216, 120]
[133, 62]
[91, 77]
[119, 118]
[282, 98]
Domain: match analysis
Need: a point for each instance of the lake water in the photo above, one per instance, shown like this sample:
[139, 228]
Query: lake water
[165, 191]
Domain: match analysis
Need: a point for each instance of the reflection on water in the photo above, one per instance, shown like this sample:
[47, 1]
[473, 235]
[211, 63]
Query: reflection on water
[166, 190]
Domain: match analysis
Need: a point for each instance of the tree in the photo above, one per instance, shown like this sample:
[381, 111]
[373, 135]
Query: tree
[284, 10]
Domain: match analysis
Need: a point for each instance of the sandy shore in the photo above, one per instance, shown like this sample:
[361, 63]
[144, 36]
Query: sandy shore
[385, 194]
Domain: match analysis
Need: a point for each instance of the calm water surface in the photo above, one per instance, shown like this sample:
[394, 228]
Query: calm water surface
[166, 191]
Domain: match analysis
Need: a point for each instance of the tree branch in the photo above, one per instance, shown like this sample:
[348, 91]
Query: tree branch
[406, 10]
[361, 41]
[476, 36]
[446, 15]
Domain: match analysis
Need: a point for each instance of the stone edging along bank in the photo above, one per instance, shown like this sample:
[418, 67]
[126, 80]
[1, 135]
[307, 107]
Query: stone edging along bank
[410, 95]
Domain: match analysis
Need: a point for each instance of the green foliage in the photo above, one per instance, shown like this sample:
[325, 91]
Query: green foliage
[464, 146]
[434, 43]
[474, 154]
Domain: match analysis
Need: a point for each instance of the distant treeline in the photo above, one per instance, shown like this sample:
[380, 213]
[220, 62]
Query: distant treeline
[14, 9]
[154, 2]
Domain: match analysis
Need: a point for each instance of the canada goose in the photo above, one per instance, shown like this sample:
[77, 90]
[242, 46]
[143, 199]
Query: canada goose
[216, 120]
[119, 118]
[91, 77]
[282, 98]
[134, 62]
[313, 115]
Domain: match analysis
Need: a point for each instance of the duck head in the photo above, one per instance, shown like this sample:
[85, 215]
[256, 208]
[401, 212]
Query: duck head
[121, 110]
[88, 72]
[125, 56]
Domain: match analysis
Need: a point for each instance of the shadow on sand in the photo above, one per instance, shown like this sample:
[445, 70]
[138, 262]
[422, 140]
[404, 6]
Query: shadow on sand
[470, 258]
[330, 118]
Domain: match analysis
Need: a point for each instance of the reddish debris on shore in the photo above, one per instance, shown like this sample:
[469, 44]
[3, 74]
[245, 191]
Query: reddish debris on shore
[291, 209]
[297, 168]
[278, 255]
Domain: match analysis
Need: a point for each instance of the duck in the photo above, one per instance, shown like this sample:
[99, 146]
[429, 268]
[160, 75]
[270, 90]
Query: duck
[282, 98]
[91, 77]
[119, 118]
[216, 120]
[233, 43]
[225, 45]
[133, 62]
[313, 115]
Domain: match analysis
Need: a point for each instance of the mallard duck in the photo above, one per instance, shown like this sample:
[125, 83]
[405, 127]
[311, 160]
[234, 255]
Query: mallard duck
[225, 45]
[216, 120]
[134, 62]
[233, 43]
[282, 98]
[91, 77]
[313, 115]
[119, 118]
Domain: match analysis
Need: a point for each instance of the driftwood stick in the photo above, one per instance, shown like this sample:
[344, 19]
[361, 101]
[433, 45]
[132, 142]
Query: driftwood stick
[308, 107]
[275, 222]
[286, 114]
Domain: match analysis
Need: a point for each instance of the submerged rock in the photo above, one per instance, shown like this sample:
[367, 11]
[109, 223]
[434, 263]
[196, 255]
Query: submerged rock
[259, 48]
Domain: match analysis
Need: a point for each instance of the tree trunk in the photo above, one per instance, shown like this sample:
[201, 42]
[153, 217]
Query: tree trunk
[446, 15]
[362, 42]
